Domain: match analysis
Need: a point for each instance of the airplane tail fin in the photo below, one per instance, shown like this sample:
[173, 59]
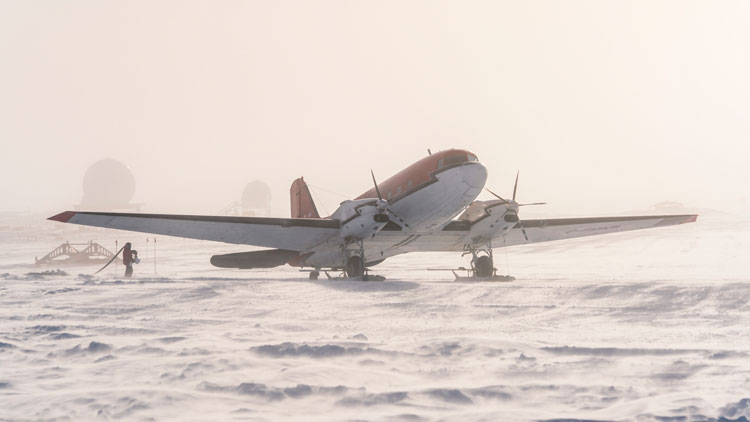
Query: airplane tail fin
[302, 201]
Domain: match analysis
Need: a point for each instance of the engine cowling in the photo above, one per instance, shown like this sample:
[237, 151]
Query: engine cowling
[360, 218]
[489, 217]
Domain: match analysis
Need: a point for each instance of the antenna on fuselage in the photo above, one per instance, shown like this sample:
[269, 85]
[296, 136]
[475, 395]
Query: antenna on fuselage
[429, 152]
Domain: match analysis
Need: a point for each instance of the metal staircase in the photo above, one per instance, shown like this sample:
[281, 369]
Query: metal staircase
[68, 254]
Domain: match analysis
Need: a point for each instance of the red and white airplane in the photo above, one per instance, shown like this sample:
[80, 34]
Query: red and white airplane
[415, 210]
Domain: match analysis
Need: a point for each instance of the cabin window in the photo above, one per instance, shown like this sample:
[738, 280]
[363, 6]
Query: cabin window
[409, 184]
[398, 190]
[440, 163]
[389, 195]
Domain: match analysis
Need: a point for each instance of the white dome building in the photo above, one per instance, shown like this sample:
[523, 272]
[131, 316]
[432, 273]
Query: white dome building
[108, 185]
[256, 199]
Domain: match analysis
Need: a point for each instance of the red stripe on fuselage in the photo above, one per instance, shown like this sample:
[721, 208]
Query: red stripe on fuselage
[418, 173]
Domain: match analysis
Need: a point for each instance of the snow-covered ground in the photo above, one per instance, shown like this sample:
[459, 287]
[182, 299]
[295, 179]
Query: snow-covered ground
[649, 326]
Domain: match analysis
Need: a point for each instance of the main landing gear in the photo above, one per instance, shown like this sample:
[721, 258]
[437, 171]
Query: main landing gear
[482, 261]
[353, 252]
[354, 267]
[484, 267]
[482, 264]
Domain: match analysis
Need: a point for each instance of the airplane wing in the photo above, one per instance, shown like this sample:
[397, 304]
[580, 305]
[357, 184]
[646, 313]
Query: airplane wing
[456, 234]
[305, 234]
[545, 230]
[293, 234]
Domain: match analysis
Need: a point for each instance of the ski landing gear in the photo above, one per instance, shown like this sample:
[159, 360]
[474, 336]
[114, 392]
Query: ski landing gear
[482, 265]
[482, 262]
[355, 268]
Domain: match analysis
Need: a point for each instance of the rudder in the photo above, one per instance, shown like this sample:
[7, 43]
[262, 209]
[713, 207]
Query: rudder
[301, 199]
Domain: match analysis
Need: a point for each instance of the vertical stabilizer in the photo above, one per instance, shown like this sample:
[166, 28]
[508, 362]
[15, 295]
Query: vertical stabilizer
[302, 202]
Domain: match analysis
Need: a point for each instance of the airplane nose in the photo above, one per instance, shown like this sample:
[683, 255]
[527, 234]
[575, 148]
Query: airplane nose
[475, 174]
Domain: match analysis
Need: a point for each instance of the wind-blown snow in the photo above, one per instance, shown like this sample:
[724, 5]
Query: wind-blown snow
[647, 326]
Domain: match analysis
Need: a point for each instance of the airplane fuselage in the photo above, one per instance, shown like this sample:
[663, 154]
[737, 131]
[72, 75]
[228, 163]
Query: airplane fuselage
[434, 190]
[423, 197]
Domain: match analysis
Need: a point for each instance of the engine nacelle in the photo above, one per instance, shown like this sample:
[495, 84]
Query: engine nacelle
[489, 217]
[360, 218]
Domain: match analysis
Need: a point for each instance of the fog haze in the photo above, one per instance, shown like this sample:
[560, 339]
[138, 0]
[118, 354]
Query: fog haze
[602, 106]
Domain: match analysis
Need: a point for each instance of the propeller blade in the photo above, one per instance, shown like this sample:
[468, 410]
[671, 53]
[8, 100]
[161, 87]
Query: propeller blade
[386, 208]
[377, 190]
[515, 186]
[533, 203]
[523, 230]
[496, 195]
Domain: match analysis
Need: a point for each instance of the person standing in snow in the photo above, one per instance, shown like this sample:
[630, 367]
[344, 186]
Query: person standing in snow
[128, 260]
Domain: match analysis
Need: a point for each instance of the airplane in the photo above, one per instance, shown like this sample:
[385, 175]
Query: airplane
[429, 206]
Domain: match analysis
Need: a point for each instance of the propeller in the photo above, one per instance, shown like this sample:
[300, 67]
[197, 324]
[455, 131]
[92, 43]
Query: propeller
[383, 204]
[515, 189]
[532, 203]
[496, 195]
[513, 202]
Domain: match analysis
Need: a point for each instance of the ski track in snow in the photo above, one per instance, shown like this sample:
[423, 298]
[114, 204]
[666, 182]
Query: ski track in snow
[644, 326]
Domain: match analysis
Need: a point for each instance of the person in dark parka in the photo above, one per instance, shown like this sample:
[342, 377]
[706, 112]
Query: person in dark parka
[127, 259]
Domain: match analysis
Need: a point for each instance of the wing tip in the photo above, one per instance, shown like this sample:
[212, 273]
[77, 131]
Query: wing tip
[690, 219]
[63, 217]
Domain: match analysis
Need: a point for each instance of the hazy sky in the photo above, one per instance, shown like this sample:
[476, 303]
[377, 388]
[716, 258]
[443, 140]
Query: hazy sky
[603, 105]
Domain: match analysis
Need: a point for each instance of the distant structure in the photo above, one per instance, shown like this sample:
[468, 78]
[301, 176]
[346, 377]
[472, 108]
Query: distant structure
[108, 185]
[255, 201]
[67, 254]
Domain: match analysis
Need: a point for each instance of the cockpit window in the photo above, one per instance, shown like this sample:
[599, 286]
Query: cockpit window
[455, 159]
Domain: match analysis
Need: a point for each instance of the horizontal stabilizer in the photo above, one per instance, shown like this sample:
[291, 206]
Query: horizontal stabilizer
[255, 259]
